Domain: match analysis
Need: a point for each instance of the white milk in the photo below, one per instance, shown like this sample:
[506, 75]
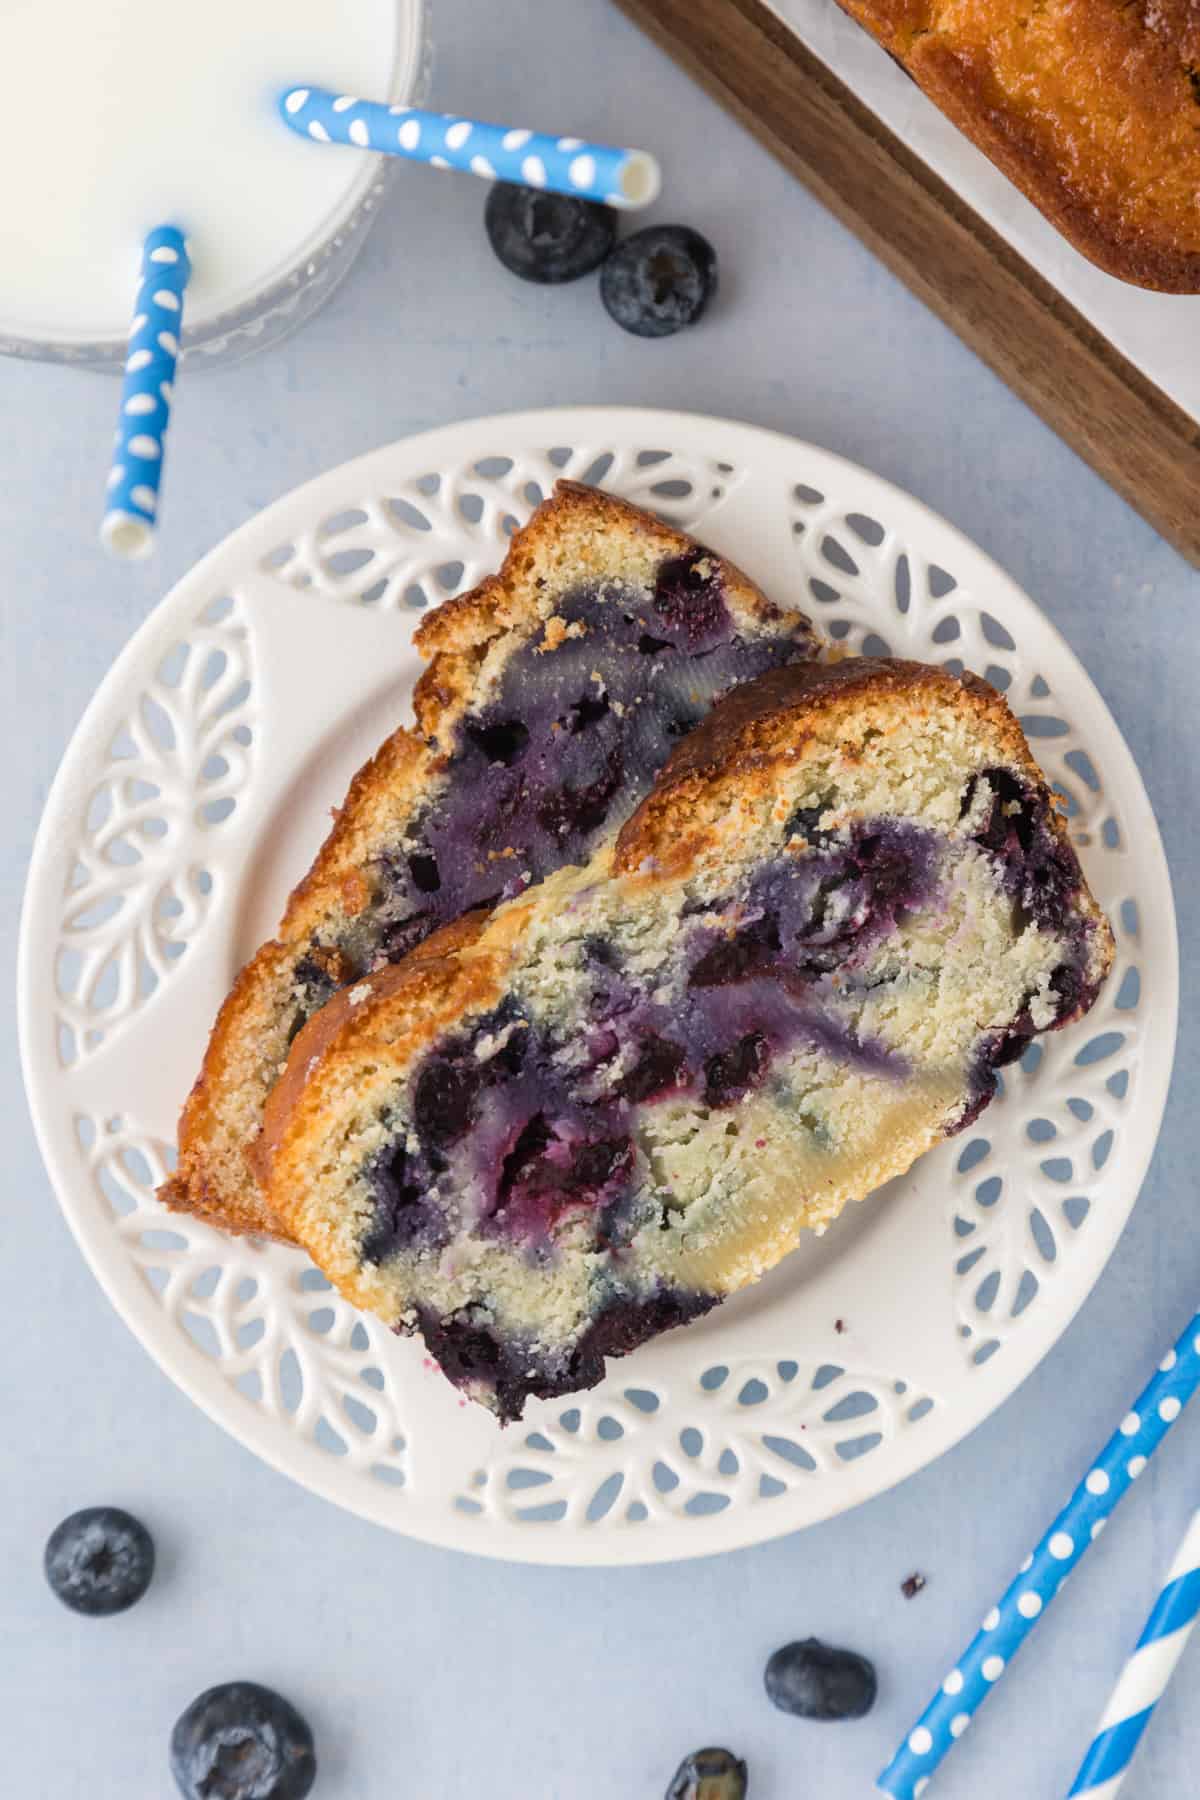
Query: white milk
[120, 115]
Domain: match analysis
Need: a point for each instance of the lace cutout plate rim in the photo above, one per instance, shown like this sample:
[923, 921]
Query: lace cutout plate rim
[198, 784]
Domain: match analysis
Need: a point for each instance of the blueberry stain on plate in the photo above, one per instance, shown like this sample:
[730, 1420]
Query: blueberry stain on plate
[659, 280]
[99, 1561]
[241, 1741]
[547, 238]
[713, 1774]
[813, 1681]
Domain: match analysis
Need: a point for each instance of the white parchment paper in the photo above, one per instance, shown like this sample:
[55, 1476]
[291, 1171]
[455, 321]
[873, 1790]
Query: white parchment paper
[1160, 333]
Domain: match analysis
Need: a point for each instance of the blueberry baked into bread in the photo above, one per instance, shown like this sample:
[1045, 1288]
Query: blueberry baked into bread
[584, 1118]
[553, 695]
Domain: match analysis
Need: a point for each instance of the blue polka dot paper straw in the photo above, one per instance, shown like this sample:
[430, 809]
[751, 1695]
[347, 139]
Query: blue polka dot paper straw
[128, 525]
[564, 165]
[1145, 1676]
[1041, 1575]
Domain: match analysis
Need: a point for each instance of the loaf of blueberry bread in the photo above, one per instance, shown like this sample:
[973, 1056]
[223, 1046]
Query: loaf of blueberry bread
[590, 1115]
[554, 693]
[1090, 107]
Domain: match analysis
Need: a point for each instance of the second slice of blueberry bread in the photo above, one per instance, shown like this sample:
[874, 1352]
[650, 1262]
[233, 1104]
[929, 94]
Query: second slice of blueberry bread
[587, 1117]
[554, 693]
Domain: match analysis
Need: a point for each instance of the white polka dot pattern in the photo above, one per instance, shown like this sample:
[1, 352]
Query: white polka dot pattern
[133, 483]
[1007, 1624]
[564, 165]
[583, 171]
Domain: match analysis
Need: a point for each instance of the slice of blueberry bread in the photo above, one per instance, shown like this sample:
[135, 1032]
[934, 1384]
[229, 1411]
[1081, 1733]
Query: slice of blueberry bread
[554, 692]
[587, 1117]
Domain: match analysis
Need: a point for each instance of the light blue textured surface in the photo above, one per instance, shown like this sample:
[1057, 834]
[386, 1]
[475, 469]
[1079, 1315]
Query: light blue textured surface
[424, 1672]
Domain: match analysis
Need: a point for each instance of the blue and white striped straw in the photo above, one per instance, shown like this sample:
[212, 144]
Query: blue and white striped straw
[564, 165]
[133, 483]
[1144, 1678]
[1041, 1576]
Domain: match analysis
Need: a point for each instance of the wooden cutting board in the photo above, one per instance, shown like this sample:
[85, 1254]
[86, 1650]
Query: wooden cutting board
[1130, 432]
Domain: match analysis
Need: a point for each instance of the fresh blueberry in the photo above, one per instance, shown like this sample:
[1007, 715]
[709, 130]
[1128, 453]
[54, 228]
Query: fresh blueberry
[709, 1775]
[815, 1682]
[240, 1741]
[659, 280]
[547, 237]
[100, 1560]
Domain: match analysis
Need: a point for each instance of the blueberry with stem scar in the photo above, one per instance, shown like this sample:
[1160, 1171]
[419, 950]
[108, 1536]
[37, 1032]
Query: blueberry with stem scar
[659, 280]
[548, 238]
[241, 1741]
[99, 1561]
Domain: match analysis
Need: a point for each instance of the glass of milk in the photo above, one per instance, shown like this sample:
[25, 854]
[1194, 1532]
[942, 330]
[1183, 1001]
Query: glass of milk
[121, 115]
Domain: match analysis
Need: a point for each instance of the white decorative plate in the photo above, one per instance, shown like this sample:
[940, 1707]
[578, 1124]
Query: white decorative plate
[197, 788]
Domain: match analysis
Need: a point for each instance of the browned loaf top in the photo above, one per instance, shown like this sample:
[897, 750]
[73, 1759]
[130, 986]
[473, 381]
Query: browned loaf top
[1091, 107]
[554, 692]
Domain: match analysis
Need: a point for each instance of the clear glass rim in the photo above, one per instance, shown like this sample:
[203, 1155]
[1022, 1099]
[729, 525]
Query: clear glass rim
[405, 83]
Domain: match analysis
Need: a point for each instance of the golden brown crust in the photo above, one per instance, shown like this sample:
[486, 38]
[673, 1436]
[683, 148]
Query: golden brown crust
[578, 526]
[383, 789]
[462, 627]
[456, 637]
[759, 730]
[1091, 109]
[770, 722]
[205, 1143]
[397, 1012]
[411, 978]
